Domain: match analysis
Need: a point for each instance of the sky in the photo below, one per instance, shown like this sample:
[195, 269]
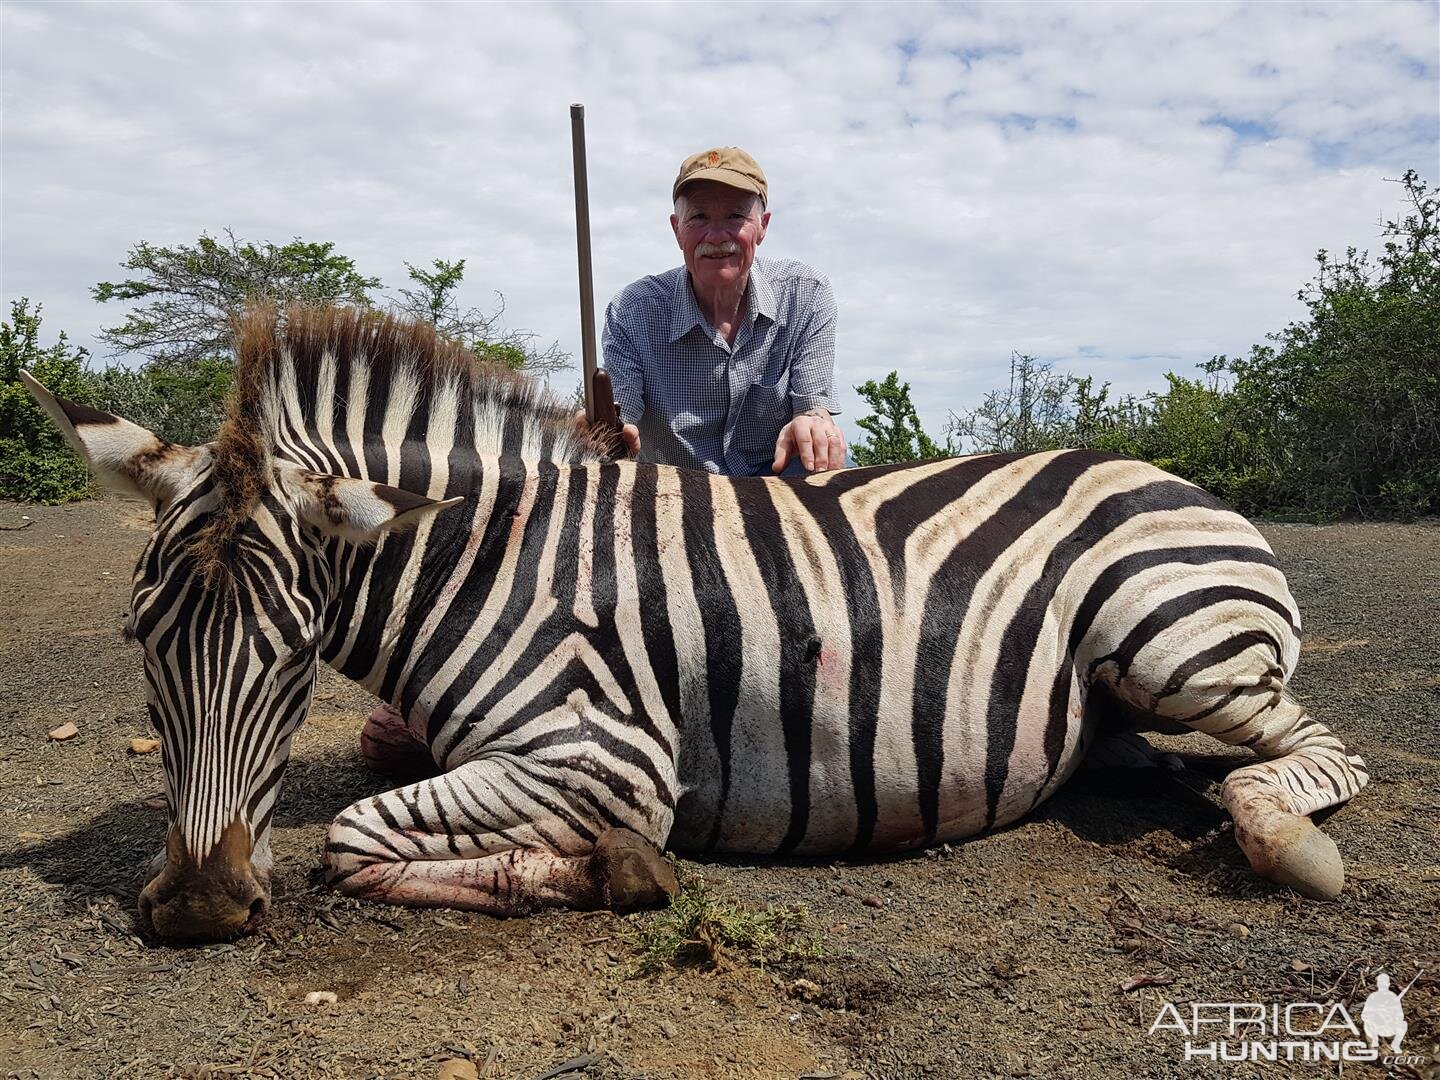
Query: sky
[1119, 189]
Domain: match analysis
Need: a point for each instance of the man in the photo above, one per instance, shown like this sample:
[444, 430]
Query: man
[728, 362]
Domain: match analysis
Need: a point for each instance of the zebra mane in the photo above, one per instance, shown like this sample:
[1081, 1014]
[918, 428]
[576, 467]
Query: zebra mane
[306, 359]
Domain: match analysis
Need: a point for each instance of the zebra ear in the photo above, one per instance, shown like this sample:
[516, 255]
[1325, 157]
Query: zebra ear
[124, 456]
[354, 510]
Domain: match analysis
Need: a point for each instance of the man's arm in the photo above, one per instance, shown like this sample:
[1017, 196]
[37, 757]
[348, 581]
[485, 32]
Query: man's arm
[811, 435]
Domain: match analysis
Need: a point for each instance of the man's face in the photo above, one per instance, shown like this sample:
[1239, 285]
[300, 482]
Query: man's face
[718, 229]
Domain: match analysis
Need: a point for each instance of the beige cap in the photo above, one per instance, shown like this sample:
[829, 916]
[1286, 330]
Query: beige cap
[725, 165]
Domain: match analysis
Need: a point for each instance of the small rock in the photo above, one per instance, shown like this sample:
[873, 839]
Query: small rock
[1299, 965]
[457, 1069]
[64, 732]
[849, 890]
[1137, 981]
[144, 746]
[155, 802]
[872, 901]
[667, 1029]
[1239, 930]
[805, 989]
[1010, 968]
[320, 997]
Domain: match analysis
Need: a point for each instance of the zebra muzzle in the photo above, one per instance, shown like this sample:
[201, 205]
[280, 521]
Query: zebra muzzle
[214, 899]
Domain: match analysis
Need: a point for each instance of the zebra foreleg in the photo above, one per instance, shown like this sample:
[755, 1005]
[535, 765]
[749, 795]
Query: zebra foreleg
[391, 749]
[461, 841]
[1126, 750]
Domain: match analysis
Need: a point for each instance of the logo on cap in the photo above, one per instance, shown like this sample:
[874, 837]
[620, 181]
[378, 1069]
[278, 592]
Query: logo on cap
[714, 157]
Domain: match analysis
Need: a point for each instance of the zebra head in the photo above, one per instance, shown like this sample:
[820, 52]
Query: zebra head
[230, 660]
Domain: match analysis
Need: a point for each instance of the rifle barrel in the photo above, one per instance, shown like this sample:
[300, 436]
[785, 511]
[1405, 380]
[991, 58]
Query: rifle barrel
[582, 241]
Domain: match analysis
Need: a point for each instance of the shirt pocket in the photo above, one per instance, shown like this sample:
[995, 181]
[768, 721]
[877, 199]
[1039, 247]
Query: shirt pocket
[765, 410]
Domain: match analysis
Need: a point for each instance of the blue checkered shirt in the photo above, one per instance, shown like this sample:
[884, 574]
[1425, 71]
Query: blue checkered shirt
[702, 403]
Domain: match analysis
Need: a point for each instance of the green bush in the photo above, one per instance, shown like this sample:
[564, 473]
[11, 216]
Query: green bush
[894, 430]
[182, 401]
[1338, 415]
[36, 464]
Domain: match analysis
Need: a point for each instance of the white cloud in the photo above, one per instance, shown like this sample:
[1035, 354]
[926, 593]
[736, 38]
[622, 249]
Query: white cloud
[1146, 183]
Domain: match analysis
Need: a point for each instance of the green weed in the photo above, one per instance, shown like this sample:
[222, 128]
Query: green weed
[718, 933]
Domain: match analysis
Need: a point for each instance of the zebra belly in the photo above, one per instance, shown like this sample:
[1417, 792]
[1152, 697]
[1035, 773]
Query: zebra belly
[754, 813]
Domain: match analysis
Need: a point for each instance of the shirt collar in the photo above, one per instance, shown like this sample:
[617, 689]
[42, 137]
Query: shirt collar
[685, 311]
[762, 292]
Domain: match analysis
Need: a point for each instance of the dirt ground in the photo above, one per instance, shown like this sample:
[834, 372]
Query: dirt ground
[1000, 957]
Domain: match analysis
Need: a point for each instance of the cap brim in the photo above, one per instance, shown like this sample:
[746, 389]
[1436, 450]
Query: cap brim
[729, 177]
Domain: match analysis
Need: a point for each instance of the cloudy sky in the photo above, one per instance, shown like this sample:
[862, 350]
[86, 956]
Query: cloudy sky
[1121, 189]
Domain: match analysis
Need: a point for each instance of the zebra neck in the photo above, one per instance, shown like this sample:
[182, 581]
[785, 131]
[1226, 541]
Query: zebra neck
[542, 554]
[392, 599]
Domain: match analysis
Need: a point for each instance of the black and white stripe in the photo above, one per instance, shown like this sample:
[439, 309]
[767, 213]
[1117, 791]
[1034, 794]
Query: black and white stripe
[866, 660]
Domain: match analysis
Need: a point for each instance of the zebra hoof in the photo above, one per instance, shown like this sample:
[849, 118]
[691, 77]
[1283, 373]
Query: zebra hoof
[630, 871]
[1301, 857]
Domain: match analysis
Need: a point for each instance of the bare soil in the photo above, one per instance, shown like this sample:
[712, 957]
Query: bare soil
[1002, 957]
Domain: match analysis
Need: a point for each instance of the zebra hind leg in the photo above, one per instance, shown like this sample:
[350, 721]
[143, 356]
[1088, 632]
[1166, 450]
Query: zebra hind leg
[1304, 768]
[480, 839]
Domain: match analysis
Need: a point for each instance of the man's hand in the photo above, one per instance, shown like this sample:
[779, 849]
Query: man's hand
[813, 437]
[629, 433]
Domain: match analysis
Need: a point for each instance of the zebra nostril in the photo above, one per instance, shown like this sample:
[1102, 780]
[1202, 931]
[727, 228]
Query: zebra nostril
[258, 907]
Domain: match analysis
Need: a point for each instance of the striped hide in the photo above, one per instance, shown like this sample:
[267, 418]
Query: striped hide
[599, 658]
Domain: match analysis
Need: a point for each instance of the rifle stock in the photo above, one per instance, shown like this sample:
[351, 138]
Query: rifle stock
[606, 421]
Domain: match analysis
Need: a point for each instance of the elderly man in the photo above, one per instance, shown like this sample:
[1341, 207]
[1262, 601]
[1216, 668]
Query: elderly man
[728, 362]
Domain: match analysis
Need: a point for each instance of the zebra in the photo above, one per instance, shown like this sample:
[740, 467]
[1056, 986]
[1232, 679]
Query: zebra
[598, 659]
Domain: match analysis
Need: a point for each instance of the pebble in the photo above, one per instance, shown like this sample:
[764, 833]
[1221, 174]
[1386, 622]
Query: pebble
[144, 746]
[320, 997]
[64, 732]
[1239, 930]
[805, 989]
[873, 901]
[667, 1029]
[457, 1069]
